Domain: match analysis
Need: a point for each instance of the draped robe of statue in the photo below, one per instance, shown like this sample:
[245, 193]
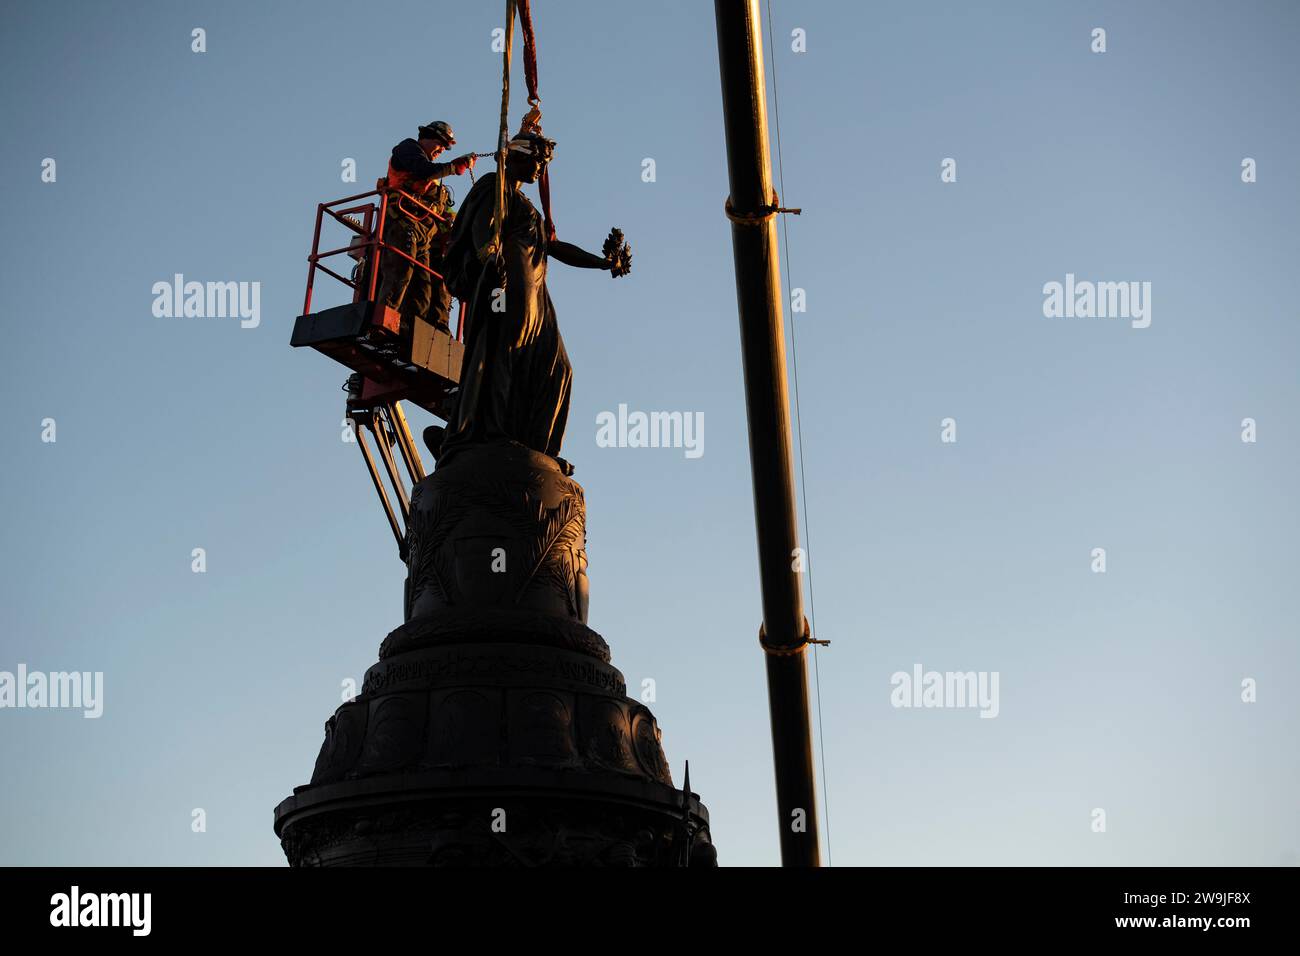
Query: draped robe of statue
[516, 376]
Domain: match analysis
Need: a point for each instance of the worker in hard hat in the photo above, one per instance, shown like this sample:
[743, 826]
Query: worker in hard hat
[415, 231]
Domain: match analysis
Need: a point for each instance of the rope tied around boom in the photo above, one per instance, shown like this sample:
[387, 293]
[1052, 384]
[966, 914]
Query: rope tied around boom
[762, 215]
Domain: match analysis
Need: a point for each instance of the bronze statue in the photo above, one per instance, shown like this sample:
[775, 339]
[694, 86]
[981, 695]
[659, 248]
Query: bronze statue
[516, 376]
[494, 700]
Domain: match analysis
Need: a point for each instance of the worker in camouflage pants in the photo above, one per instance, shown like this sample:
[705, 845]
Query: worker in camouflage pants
[406, 288]
[412, 291]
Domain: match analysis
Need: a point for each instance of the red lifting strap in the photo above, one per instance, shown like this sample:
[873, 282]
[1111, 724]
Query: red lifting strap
[530, 50]
[530, 76]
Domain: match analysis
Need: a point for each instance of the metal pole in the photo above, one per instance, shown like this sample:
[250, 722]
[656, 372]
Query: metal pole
[390, 465]
[311, 267]
[379, 244]
[784, 634]
[360, 436]
[405, 442]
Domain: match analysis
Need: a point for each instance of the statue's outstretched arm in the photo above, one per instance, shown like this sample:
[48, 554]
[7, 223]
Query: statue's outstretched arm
[572, 255]
[617, 259]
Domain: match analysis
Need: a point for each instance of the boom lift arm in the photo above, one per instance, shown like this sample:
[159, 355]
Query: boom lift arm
[362, 334]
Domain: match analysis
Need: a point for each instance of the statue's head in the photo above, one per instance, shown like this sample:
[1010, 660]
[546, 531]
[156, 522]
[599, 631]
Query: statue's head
[528, 155]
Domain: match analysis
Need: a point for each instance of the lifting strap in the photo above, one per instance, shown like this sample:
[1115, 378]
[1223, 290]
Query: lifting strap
[534, 116]
[493, 247]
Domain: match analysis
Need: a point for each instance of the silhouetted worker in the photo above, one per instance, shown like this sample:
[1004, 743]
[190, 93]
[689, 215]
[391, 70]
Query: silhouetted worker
[409, 290]
[516, 376]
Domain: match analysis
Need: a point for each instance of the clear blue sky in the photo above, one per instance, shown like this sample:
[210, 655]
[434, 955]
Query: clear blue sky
[1119, 691]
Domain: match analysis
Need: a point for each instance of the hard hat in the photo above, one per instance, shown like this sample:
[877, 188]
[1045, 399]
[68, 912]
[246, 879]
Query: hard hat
[439, 131]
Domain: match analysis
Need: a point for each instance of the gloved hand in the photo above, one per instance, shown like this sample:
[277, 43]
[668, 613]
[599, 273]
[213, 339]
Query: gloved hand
[462, 163]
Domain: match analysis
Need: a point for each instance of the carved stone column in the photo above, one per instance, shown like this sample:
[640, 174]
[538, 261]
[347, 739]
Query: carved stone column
[493, 730]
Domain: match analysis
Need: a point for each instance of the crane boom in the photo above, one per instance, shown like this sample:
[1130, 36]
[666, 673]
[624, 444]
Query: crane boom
[752, 209]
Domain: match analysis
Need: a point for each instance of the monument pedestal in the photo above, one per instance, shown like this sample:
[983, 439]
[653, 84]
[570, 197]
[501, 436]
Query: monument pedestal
[494, 731]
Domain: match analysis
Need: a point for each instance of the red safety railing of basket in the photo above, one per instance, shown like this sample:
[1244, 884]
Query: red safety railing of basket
[370, 227]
